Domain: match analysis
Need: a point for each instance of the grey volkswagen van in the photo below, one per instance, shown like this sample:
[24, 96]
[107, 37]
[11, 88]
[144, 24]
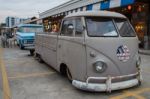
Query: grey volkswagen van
[98, 50]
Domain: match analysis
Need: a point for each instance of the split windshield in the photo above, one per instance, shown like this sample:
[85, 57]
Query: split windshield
[125, 28]
[105, 27]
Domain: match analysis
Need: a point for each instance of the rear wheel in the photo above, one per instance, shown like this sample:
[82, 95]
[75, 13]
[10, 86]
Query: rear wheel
[40, 60]
[69, 75]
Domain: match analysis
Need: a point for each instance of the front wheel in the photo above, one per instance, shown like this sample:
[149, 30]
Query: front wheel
[31, 52]
[21, 47]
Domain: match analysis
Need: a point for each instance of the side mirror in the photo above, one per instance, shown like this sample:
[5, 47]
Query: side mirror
[70, 28]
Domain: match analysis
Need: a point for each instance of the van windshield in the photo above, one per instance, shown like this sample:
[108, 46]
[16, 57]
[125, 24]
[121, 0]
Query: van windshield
[105, 27]
[98, 26]
[125, 28]
[30, 29]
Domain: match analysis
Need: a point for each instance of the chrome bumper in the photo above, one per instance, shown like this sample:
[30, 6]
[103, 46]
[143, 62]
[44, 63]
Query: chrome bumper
[108, 86]
[28, 45]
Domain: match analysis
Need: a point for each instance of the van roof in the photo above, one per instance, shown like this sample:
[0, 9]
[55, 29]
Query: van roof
[28, 25]
[97, 13]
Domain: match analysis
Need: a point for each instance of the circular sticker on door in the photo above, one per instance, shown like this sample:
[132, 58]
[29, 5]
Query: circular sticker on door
[123, 53]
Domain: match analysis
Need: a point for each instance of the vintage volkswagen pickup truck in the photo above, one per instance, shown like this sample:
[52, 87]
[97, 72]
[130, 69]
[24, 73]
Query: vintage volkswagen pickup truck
[97, 50]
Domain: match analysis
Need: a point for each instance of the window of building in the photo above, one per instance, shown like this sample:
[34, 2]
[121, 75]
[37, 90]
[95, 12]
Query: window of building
[76, 10]
[52, 24]
[81, 9]
[71, 11]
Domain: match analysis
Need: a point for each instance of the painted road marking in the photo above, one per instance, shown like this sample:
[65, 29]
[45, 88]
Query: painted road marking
[19, 60]
[132, 93]
[19, 76]
[145, 71]
[6, 88]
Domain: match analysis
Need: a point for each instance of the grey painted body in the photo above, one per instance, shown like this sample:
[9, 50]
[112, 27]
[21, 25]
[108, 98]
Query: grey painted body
[75, 52]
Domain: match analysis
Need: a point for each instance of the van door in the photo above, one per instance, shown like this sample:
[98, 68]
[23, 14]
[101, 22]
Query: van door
[71, 49]
[50, 50]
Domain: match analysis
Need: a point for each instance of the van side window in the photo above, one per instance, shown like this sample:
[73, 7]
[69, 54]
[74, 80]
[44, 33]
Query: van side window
[68, 27]
[79, 27]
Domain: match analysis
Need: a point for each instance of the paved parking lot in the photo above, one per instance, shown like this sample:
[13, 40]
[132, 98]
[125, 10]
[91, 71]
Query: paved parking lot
[29, 79]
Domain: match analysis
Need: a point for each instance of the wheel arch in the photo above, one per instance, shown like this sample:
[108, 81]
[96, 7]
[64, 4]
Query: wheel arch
[63, 68]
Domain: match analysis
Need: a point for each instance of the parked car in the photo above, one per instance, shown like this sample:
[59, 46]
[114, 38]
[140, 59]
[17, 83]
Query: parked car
[25, 34]
[97, 50]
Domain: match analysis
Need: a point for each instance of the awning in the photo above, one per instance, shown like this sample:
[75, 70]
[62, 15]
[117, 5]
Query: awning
[85, 5]
[107, 4]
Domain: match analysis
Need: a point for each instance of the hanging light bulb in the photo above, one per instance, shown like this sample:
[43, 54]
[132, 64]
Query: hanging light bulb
[139, 9]
[129, 7]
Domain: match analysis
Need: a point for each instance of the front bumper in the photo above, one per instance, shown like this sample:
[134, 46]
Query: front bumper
[27, 42]
[108, 86]
[28, 45]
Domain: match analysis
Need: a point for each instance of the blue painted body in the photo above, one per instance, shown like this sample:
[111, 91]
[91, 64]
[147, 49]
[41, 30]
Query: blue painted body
[26, 39]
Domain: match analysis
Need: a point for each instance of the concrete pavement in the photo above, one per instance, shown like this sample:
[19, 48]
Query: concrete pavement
[144, 52]
[29, 79]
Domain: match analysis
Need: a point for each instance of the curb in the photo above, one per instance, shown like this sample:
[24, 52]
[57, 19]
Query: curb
[144, 52]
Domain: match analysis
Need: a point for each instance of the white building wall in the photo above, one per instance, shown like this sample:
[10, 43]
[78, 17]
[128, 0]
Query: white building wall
[86, 4]
[10, 23]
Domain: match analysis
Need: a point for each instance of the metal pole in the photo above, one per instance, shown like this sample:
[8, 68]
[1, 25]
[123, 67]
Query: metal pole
[146, 36]
[148, 27]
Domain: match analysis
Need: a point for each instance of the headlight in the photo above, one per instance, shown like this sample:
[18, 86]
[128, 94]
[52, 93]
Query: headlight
[138, 62]
[25, 41]
[100, 66]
